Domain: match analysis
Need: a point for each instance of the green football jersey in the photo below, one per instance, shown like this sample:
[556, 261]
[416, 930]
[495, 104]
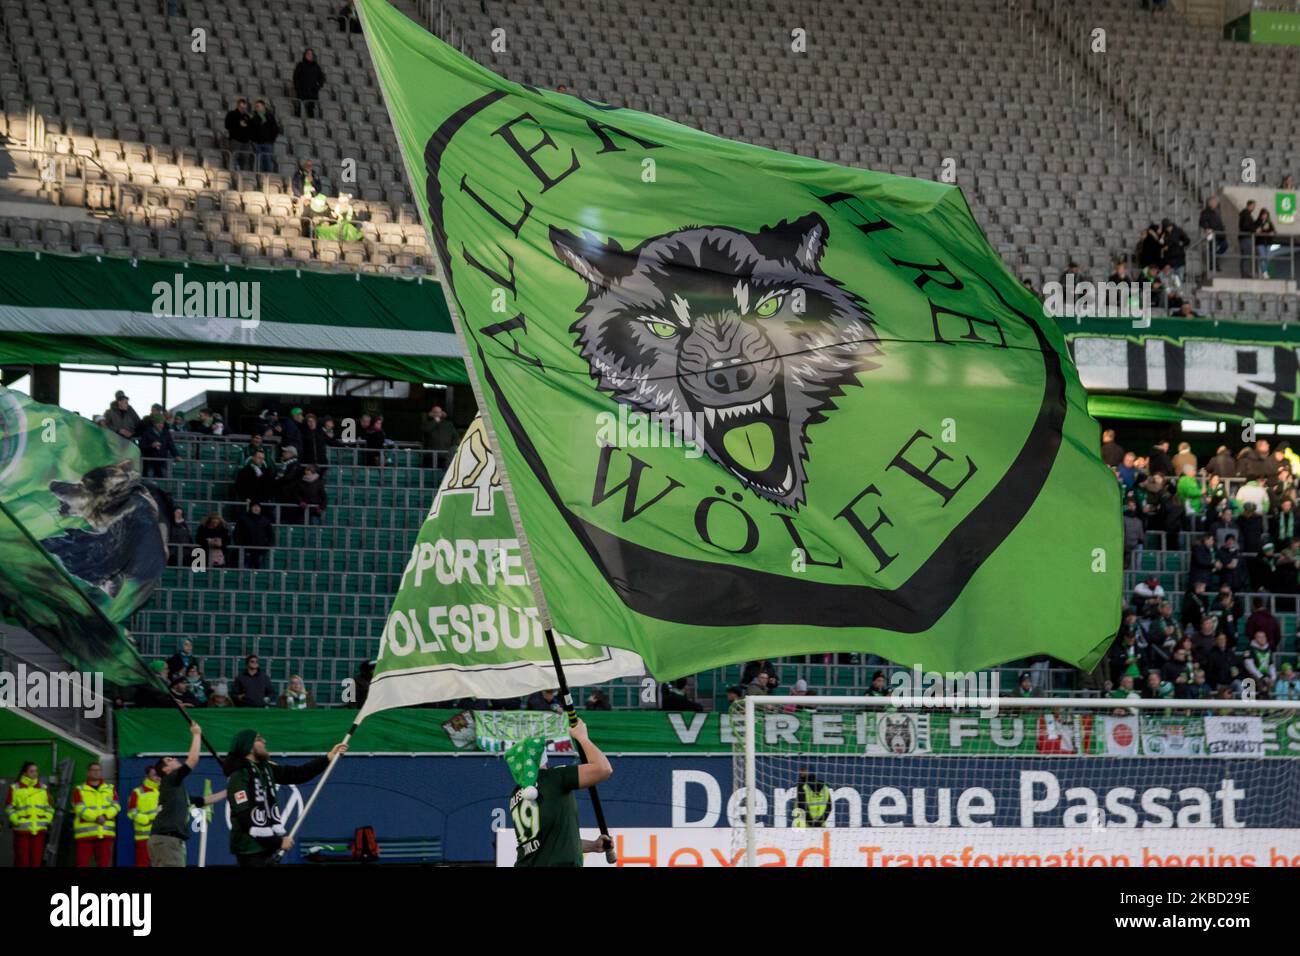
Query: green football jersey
[547, 830]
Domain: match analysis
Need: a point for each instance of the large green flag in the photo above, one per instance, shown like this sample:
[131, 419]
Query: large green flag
[463, 623]
[81, 543]
[753, 404]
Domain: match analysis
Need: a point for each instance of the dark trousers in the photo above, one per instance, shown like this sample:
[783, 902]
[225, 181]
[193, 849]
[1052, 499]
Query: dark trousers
[307, 107]
[256, 859]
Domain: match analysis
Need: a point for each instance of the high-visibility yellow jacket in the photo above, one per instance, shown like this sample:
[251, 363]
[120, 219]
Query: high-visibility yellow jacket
[28, 806]
[142, 807]
[89, 804]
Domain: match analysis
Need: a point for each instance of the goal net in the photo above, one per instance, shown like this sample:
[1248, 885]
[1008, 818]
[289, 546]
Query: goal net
[883, 781]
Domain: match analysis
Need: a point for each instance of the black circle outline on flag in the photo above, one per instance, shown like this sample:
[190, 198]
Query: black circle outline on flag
[711, 594]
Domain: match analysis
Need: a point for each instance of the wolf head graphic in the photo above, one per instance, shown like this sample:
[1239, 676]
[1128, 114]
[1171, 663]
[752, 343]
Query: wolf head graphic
[741, 330]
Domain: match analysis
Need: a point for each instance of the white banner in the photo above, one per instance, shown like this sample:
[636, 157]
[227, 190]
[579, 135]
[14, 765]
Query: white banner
[1234, 736]
[955, 847]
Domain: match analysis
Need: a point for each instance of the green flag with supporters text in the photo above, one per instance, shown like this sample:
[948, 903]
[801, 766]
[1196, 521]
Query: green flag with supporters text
[752, 404]
[463, 623]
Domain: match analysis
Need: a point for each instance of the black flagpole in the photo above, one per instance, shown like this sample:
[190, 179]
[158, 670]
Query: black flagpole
[610, 855]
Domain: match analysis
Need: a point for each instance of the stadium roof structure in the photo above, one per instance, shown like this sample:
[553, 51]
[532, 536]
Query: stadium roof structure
[94, 309]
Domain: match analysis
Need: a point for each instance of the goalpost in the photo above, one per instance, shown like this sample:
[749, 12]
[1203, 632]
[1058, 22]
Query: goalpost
[944, 781]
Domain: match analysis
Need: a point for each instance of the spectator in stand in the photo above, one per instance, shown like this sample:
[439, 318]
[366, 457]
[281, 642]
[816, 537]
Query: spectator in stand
[1204, 639]
[375, 439]
[1024, 686]
[122, 418]
[1151, 248]
[1232, 565]
[311, 495]
[1261, 620]
[291, 429]
[877, 687]
[255, 481]
[437, 433]
[1111, 453]
[1158, 461]
[1255, 494]
[220, 696]
[1281, 525]
[304, 184]
[1128, 471]
[256, 443]
[1148, 596]
[156, 446]
[1214, 498]
[197, 685]
[1250, 529]
[674, 697]
[543, 700]
[1121, 272]
[1185, 311]
[181, 693]
[1259, 662]
[1134, 533]
[1288, 684]
[1184, 458]
[327, 428]
[1222, 465]
[1284, 579]
[308, 78]
[288, 476]
[348, 19]
[1175, 243]
[1226, 610]
[254, 533]
[239, 134]
[1247, 223]
[178, 538]
[202, 425]
[1188, 491]
[1212, 228]
[598, 700]
[266, 130]
[1157, 688]
[761, 684]
[296, 696]
[182, 660]
[1224, 524]
[314, 447]
[1196, 604]
[1265, 237]
[1179, 668]
[214, 537]
[252, 688]
[1288, 182]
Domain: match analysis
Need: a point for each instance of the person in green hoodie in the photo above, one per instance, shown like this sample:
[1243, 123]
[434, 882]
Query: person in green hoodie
[1188, 491]
[256, 828]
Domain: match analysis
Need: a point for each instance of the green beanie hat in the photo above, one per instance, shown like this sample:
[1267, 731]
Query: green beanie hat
[524, 760]
[241, 745]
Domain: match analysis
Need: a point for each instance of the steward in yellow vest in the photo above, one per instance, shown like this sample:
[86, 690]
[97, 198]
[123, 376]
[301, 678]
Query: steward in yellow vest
[813, 801]
[27, 806]
[95, 807]
[141, 809]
